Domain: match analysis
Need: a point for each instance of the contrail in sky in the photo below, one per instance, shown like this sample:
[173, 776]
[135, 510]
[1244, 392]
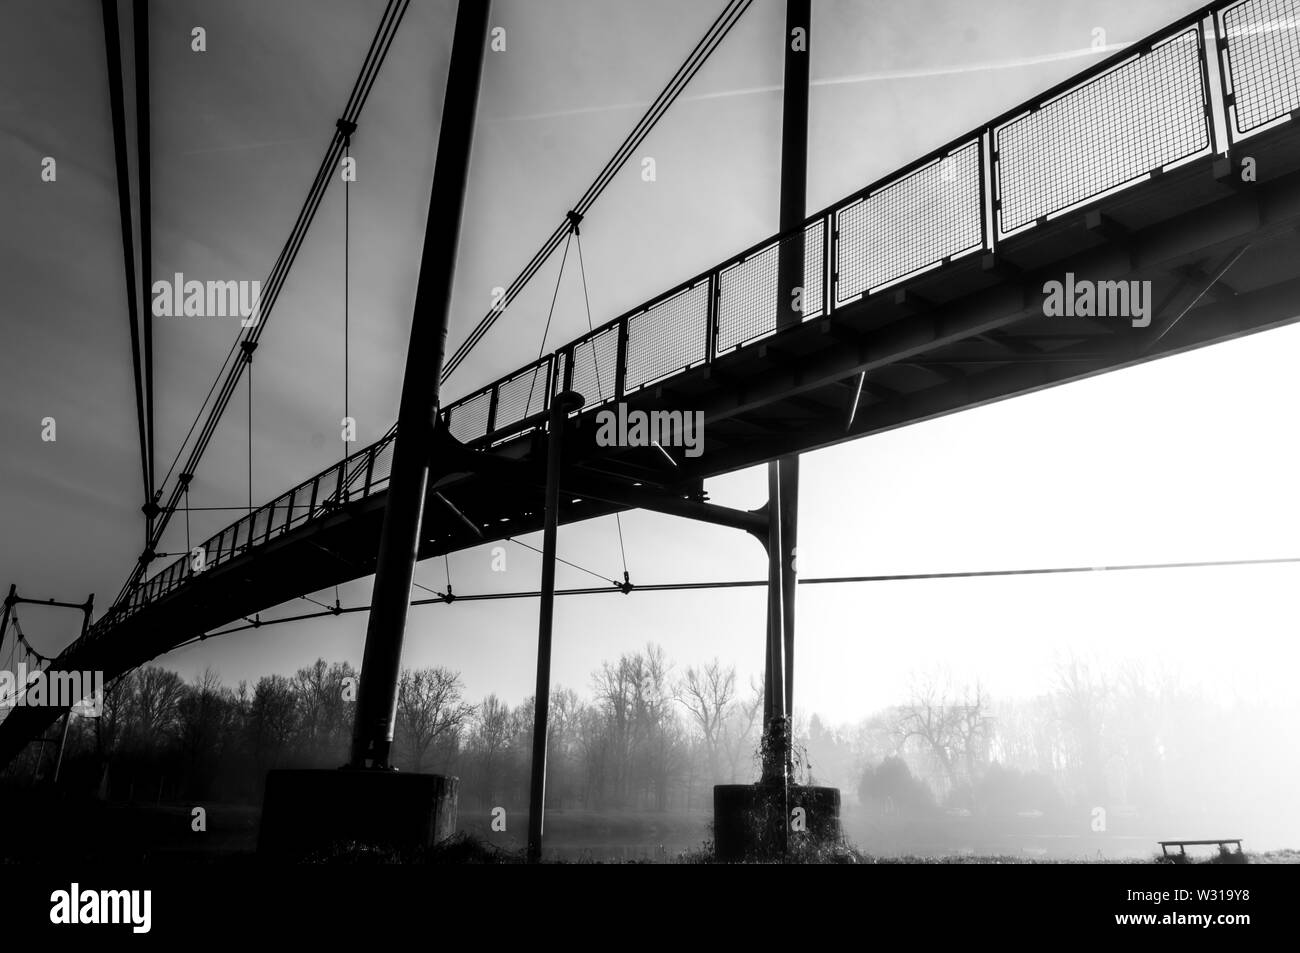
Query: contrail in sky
[880, 76]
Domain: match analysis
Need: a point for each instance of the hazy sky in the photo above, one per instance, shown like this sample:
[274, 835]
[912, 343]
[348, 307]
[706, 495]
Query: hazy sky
[1188, 458]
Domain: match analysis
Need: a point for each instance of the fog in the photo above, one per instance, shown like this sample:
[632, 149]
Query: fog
[1101, 762]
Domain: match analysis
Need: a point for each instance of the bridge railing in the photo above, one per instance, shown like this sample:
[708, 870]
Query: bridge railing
[355, 477]
[1260, 49]
[1072, 148]
[1133, 116]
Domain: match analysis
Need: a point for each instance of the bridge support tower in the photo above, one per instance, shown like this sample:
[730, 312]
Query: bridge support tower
[367, 801]
[760, 818]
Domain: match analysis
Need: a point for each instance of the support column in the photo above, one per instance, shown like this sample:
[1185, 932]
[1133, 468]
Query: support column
[776, 735]
[783, 473]
[774, 682]
[63, 741]
[88, 608]
[791, 262]
[788, 480]
[561, 405]
[399, 544]
[8, 607]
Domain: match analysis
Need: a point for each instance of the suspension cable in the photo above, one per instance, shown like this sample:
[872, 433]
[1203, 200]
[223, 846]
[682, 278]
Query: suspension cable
[112, 45]
[140, 19]
[381, 41]
[754, 583]
[600, 390]
[223, 387]
[589, 572]
[519, 542]
[380, 44]
[559, 277]
[250, 434]
[713, 37]
[26, 643]
[9, 663]
[347, 242]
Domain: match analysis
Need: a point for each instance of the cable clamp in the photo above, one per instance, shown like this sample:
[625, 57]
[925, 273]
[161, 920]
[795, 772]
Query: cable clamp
[575, 219]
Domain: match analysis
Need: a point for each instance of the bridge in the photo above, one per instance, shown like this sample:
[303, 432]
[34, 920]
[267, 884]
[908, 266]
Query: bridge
[1175, 162]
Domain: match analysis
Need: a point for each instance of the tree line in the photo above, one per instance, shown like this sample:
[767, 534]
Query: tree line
[650, 736]
[647, 737]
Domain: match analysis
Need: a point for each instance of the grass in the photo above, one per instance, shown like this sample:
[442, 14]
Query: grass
[92, 831]
[458, 849]
[469, 849]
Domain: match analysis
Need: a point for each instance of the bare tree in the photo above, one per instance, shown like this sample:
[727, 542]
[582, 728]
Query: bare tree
[740, 728]
[112, 721]
[594, 744]
[563, 725]
[272, 719]
[323, 713]
[490, 733]
[614, 686]
[972, 727]
[955, 732]
[708, 694]
[658, 735]
[428, 709]
[155, 702]
[1083, 700]
[204, 715]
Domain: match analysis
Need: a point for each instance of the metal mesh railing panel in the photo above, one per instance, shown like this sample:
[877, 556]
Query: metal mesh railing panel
[468, 419]
[929, 215]
[1263, 39]
[260, 522]
[521, 396]
[225, 543]
[1132, 120]
[668, 337]
[327, 486]
[279, 515]
[354, 480]
[747, 290]
[239, 534]
[302, 503]
[383, 466]
[594, 360]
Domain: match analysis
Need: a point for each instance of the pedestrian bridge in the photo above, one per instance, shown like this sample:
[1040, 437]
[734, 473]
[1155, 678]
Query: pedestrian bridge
[1172, 167]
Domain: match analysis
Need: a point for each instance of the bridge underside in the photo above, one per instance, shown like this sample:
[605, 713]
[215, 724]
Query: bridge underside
[968, 333]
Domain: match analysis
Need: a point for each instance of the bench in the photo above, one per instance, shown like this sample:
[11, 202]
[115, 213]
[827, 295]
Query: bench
[1182, 845]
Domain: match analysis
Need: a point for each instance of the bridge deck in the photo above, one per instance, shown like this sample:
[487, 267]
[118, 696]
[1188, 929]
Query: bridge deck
[931, 281]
